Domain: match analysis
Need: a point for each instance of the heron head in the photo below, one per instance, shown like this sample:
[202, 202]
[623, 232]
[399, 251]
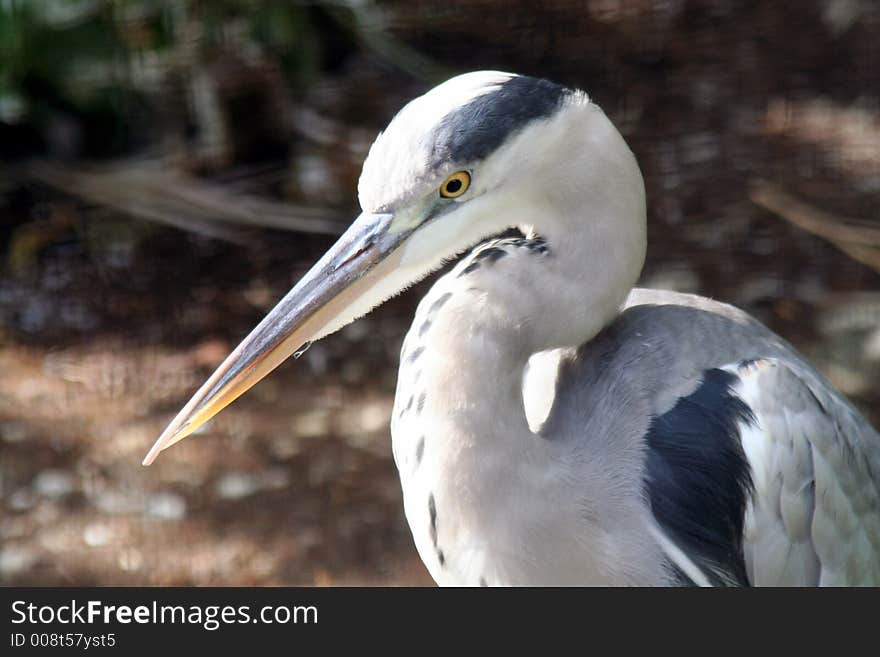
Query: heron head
[480, 153]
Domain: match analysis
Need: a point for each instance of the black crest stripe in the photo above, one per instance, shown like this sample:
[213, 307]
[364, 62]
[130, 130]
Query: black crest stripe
[477, 128]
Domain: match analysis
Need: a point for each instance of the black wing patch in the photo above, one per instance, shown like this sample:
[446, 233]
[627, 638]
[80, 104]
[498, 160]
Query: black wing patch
[698, 479]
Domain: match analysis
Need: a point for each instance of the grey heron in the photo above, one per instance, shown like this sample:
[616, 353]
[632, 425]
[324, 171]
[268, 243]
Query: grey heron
[552, 423]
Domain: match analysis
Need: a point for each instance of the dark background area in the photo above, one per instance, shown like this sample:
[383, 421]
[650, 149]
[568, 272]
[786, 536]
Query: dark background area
[169, 169]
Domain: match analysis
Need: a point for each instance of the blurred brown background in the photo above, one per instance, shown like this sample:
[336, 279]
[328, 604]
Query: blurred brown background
[169, 169]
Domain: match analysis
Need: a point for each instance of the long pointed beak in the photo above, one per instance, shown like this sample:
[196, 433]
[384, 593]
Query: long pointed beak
[316, 306]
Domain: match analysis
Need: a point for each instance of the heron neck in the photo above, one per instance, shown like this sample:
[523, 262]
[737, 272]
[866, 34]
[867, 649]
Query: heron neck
[460, 434]
[591, 212]
[474, 475]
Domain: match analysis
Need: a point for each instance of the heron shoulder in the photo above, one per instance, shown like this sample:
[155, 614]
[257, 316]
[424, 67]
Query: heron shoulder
[651, 297]
[634, 388]
[735, 425]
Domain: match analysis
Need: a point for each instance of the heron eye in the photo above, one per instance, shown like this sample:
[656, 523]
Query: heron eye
[455, 185]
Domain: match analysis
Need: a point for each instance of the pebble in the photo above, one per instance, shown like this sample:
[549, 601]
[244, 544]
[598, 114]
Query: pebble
[115, 502]
[20, 500]
[236, 485]
[97, 534]
[13, 432]
[130, 559]
[311, 424]
[53, 484]
[15, 559]
[167, 506]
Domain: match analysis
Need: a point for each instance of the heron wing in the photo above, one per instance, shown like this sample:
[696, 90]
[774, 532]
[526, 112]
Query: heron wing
[814, 513]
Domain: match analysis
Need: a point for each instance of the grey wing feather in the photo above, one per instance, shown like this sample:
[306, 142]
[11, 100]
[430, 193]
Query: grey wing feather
[814, 518]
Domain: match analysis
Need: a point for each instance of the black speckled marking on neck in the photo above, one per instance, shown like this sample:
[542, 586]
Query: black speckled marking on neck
[492, 252]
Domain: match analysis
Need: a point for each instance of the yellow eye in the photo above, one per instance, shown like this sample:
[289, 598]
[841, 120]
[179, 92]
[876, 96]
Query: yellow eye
[455, 185]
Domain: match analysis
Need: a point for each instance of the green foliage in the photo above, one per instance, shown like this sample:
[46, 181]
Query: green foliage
[65, 53]
[97, 59]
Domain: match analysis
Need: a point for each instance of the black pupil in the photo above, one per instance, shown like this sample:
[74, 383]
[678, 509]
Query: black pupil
[453, 186]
